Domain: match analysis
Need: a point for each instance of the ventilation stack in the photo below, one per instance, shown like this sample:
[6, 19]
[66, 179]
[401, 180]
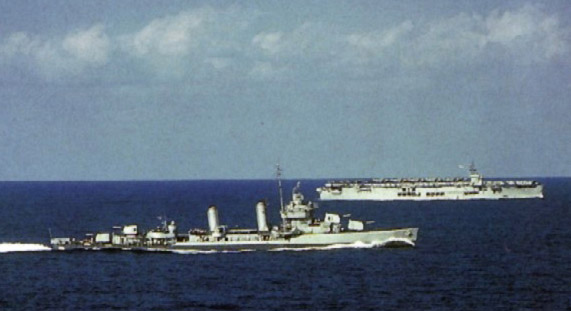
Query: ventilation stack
[262, 217]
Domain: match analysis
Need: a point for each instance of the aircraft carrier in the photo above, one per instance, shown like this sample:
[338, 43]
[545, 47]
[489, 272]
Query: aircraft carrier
[427, 189]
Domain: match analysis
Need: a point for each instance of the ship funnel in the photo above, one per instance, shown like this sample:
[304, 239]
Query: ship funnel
[213, 218]
[172, 227]
[262, 217]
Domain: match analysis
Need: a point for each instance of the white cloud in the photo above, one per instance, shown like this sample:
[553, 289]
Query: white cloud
[18, 43]
[539, 35]
[310, 47]
[91, 46]
[56, 58]
[270, 42]
[203, 39]
[378, 40]
[168, 36]
[525, 35]
[364, 47]
[508, 26]
[459, 38]
[309, 40]
[52, 63]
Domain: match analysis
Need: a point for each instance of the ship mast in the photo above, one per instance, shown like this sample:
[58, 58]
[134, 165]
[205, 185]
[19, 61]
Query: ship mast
[473, 168]
[278, 176]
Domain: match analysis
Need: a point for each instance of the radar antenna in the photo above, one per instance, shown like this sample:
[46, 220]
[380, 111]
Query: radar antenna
[473, 167]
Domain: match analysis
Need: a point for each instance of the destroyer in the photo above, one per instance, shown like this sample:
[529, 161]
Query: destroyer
[299, 229]
[425, 189]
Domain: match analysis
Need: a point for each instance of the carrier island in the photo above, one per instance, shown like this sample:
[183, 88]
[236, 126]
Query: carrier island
[298, 229]
[428, 189]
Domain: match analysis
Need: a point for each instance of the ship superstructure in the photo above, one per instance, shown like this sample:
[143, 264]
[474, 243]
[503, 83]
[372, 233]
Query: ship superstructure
[425, 189]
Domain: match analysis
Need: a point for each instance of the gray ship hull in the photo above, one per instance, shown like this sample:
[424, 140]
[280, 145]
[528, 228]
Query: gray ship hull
[421, 193]
[396, 237]
[431, 189]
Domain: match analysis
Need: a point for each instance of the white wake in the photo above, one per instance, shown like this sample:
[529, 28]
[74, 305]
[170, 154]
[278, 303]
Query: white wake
[204, 252]
[356, 245]
[22, 247]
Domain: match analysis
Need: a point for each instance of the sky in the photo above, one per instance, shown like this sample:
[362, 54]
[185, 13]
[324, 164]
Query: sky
[169, 90]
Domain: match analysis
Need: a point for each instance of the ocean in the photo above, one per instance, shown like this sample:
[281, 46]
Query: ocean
[470, 255]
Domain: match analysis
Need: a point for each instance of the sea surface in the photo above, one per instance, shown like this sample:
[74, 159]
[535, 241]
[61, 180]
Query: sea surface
[470, 255]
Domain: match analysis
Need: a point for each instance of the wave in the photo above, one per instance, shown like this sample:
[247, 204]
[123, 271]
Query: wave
[22, 247]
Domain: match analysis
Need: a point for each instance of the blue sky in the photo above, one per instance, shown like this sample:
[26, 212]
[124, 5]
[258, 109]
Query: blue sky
[115, 90]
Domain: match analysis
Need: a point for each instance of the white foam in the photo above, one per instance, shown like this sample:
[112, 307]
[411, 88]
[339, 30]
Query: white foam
[355, 245]
[327, 247]
[201, 252]
[22, 247]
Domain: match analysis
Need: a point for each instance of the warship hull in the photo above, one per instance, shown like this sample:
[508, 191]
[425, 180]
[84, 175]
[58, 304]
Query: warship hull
[385, 238]
[405, 237]
[378, 192]
[475, 187]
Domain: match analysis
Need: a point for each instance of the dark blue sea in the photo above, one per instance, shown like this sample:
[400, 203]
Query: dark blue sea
[470, 255]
